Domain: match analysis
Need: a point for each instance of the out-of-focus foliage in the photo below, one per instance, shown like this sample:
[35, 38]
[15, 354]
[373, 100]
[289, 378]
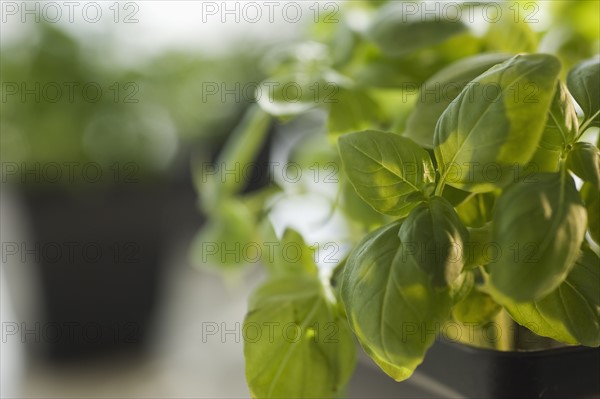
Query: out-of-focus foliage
[60, 105]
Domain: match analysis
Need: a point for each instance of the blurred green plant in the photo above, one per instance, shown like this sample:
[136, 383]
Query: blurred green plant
[61, 106]
[406, 100]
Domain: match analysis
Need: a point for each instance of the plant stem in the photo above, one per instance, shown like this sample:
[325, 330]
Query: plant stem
[505, 324]
[439, 188]
[585, 125]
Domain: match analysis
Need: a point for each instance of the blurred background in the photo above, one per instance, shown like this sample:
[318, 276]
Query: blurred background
[105, 108]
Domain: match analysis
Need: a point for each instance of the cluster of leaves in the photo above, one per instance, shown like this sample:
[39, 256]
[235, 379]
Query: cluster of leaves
[416, 271]
[477, 152]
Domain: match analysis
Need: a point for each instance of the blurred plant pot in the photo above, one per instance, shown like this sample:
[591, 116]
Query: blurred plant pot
[99, 254]
[567, 372]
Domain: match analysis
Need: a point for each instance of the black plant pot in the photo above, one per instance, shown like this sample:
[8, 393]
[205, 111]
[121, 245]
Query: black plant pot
[454, 370]
[99, 254]
[568, 372]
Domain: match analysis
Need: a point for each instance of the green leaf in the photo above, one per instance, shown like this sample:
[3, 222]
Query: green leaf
[561, 127]
[591, 198]
[390, 304]
[290, 255]
[495, 123]
[455, 196]
[438, 92]
[584, 161]
[561, 130]
[462, 286]
[296, 343]
[584, 84]
[538, 228]
[433, 237]
[227, 239]
[398, 31]
[479, 249]
[352, 111]
[477, 308]
[388, 171]
[506, 34]
[570, 313]
[356, 208]
[477, 210]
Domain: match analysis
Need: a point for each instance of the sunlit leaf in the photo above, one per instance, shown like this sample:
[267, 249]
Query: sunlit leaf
[538, 227]
[296, 343]
[401, 27]
[584, 84]
[438, 92]
[477, 308]
[496, 122]
[390, 304]
[570, 313]
[388, 171]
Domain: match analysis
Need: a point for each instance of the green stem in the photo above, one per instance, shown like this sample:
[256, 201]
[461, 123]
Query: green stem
[585, 125]
[242, 146]
[439, 188]
[505, 324]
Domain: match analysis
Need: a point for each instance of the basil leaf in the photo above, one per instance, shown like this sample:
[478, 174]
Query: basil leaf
[455, 196]
[291, 255]
[538, 228]
[433, 237]
[477, 210]
[508, 34]
[583, 81]
[398, 31]
[438, 92]
[479, 250]
[495, 123]
[219, 242]
[356, 208]
[352, 111]
[296, 343]
[561, 127]
[386, 170]
[591, 198]
[584, 161]
[477, 308]
[561, 130]
[461, 287]
[571, 313]
[390, 304]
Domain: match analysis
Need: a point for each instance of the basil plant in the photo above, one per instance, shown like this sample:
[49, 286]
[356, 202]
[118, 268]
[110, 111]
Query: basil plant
[468, 173]
[492, 220]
